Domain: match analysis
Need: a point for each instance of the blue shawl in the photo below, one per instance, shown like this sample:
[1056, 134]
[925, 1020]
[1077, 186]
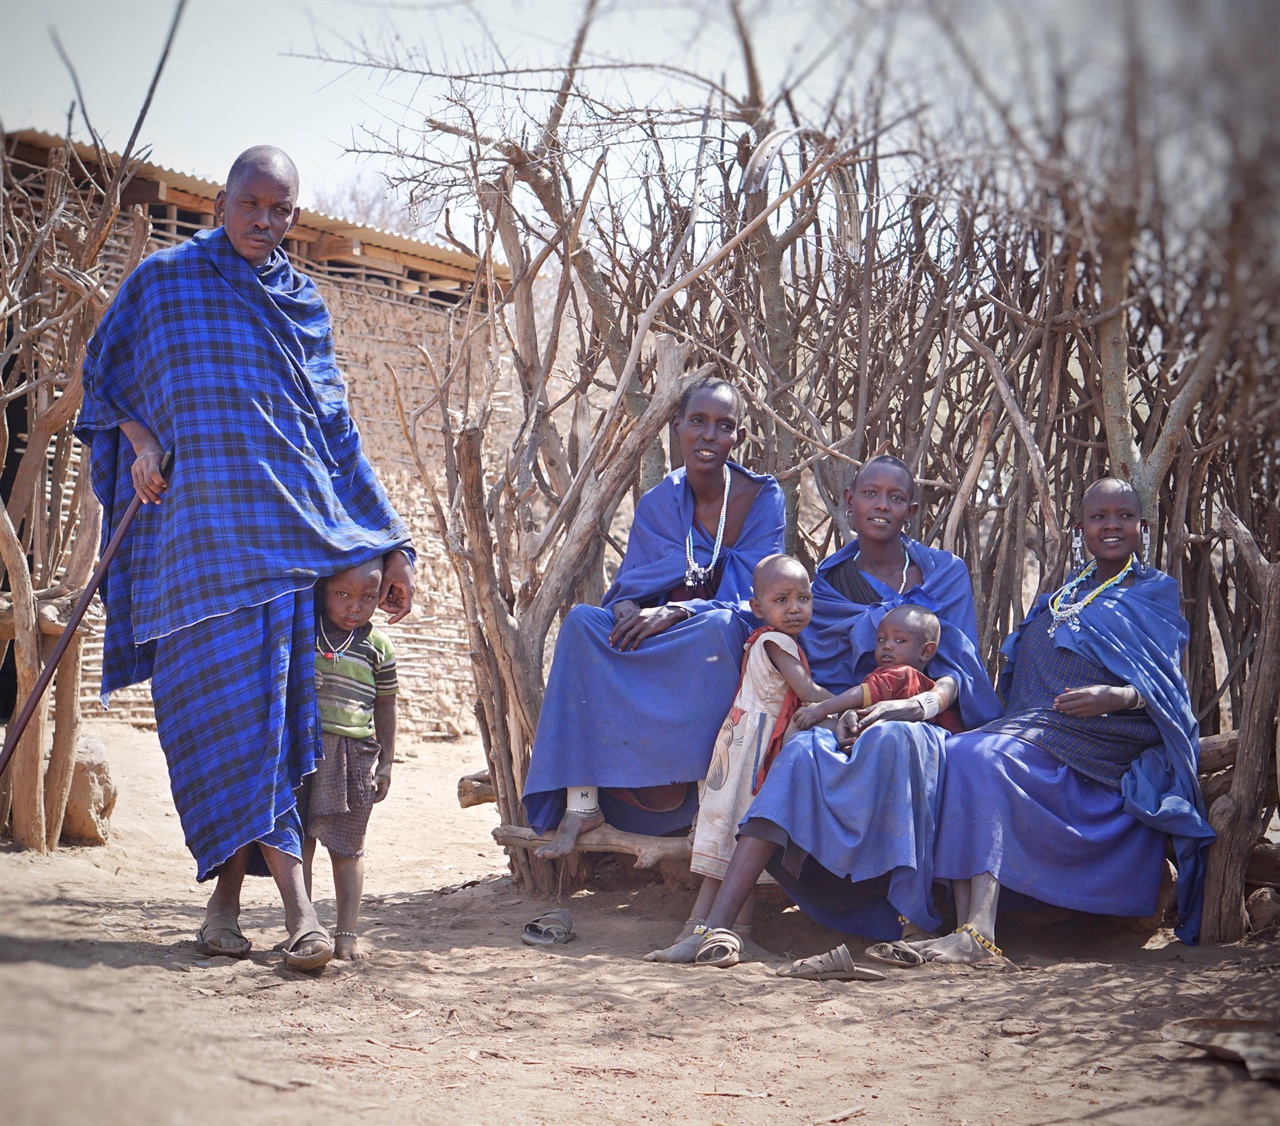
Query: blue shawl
[655, 559]
[649, 717]
[1138, 633]
[840, 641]
[233, 369]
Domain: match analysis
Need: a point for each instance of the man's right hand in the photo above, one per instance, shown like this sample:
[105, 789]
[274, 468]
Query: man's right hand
[148, 481]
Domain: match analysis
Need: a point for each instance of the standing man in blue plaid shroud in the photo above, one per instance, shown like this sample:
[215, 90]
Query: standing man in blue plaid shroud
[221, 352]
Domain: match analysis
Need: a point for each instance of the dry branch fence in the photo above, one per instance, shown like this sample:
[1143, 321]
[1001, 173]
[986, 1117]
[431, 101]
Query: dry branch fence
[982, 297]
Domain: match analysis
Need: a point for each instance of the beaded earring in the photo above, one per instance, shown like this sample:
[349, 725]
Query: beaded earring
[1146, 543]
[1077, 546]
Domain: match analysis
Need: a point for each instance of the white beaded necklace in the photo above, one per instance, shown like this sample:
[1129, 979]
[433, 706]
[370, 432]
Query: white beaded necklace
[694, 575]
[906, 566]
[330, 651]
[1062, 605]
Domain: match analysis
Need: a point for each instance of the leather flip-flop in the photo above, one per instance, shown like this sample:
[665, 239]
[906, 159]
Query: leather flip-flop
[896, 954]
[835, 965]
[549, 929]
[719, 947]
[306, 963]
[207, 949]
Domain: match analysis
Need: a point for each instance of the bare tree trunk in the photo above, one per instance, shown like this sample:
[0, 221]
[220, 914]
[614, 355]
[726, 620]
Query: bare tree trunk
[1237, 816]
[66, 737]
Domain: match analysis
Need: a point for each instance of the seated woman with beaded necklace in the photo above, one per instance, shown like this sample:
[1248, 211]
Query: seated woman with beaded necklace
[639, 686]
[1069, 797]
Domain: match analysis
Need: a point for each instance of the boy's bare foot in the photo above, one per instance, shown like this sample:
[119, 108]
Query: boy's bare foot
[571, 827]
[346, 946]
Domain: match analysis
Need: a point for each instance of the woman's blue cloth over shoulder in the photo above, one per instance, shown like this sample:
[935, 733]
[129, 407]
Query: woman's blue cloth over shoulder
[840, 641]
[649, 716]
[1138, 634]
[232, 369]
[857, 827]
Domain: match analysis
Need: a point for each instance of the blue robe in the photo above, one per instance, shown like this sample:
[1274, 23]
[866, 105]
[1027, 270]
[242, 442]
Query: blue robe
[649, 716]
[232, 369]
[1045, 830]
[856, 828]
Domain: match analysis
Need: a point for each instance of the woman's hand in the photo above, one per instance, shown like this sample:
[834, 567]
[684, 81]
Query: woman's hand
[1096, 699]
[396, 596]
[629, 629]
[854, 723]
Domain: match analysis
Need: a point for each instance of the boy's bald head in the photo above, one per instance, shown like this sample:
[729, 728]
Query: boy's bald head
[774, 567]
[917, 620]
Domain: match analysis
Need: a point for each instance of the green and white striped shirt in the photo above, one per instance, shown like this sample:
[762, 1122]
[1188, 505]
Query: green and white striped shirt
[347, 686]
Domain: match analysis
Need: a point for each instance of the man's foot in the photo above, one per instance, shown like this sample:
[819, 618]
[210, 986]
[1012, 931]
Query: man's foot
[346, 946]
[307, 949]
[220, 936]
[685, 947]
[572, 825]
[965, 947]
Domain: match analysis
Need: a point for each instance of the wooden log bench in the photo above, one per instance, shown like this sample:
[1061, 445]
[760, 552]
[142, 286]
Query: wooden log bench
[1217, 759]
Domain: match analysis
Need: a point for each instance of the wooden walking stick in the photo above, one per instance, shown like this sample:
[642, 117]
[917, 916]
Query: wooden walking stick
[95, 580]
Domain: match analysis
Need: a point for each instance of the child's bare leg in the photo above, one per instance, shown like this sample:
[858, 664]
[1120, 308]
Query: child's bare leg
[686, 943]
[749, 858]
[348, 886]
[308, 855]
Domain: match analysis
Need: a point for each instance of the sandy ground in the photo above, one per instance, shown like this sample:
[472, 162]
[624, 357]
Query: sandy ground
[110, 1016]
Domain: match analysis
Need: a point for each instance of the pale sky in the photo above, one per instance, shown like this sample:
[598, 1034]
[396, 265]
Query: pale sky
[230, 82]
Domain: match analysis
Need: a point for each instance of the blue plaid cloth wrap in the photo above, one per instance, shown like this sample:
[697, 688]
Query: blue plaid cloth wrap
[210, 595]
[1139, 635]
[856, 828]
[650, 716]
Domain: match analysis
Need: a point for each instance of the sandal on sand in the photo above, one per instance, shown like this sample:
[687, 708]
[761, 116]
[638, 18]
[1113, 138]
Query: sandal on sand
[239, 948]
[549, 928]
[835, 965]
[895, 954]
[719, 947]
[306, 962]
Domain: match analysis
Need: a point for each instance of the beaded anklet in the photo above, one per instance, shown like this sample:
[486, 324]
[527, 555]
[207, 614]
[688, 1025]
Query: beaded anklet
[981, 939]
[345, 934]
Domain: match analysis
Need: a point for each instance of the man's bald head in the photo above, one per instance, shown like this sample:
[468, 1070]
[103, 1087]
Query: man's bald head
[266, 160]
[259, 205]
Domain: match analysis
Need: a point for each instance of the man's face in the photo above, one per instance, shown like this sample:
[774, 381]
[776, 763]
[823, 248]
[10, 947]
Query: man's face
[257, 212]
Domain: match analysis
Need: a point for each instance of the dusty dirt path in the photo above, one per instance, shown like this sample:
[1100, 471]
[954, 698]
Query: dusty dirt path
[109, 1016]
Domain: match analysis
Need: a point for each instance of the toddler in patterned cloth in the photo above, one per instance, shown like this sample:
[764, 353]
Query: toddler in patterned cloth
[356, 690]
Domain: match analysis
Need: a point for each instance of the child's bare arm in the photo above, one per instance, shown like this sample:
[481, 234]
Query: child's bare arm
[793, 672]
[812, 714]
[384, 729]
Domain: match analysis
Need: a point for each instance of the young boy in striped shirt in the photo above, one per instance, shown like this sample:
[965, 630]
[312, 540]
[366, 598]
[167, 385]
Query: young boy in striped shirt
[356, 690]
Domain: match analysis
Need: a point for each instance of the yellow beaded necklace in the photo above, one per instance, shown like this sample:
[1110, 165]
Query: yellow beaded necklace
[1063, 608]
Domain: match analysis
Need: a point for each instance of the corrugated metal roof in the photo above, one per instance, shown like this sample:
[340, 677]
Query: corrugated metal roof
[330, 224]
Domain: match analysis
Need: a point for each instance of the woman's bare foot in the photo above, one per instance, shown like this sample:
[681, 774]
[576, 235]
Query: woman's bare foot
[346, 947]
[572, 826]
[683, 949]
[961, 948]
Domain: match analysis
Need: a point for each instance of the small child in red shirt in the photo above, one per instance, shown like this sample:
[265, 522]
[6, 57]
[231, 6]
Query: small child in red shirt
[906, 640]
